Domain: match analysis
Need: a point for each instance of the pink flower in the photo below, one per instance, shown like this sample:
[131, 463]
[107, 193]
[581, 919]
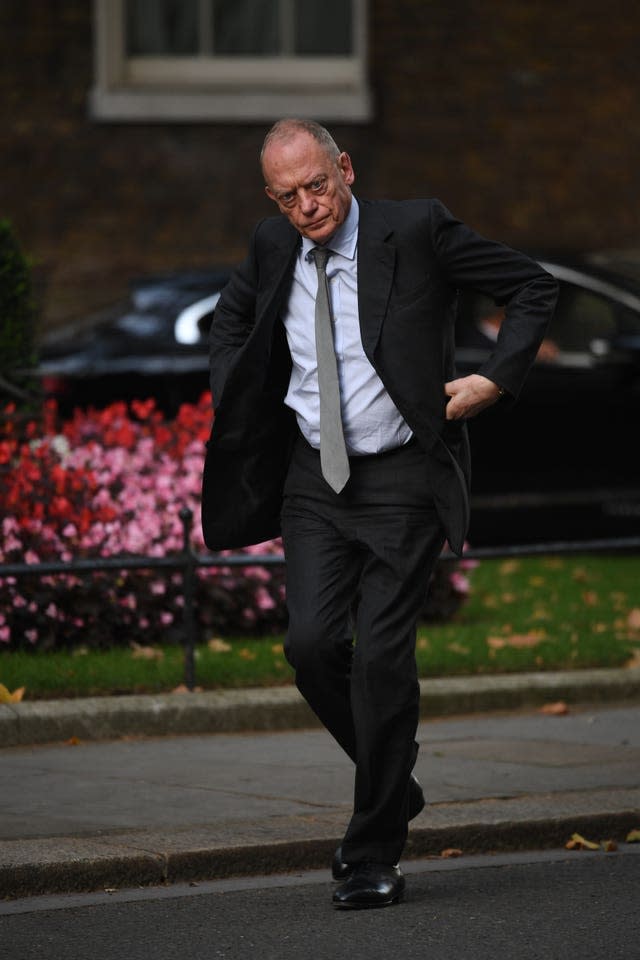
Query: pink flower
[459, 582]
[166, 618]
[264, 599]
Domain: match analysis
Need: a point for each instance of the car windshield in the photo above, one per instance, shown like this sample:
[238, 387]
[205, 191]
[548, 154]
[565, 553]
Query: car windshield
[622, 264]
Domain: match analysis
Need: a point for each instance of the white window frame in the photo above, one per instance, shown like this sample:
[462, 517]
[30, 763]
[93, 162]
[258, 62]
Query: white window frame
[242, 89]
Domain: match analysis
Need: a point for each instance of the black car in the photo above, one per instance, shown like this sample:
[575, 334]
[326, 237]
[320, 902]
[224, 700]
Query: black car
[152, 345]
[558, 464]
[561, 463]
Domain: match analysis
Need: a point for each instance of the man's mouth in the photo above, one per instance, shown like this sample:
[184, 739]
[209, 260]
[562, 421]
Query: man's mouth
[317, 223]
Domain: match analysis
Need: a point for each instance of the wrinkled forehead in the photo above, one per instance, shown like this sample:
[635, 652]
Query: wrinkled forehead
[298, 158]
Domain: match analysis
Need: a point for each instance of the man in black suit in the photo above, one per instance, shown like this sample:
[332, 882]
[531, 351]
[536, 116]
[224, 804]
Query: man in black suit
[359, 548]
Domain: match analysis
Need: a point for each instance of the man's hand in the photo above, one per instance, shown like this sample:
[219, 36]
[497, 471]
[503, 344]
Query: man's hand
[470, 395]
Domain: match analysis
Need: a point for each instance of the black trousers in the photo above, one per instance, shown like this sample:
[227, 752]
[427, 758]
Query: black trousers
[358, 564]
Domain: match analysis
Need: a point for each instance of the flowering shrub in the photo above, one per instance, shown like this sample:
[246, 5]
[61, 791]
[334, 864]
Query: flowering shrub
[113, 482]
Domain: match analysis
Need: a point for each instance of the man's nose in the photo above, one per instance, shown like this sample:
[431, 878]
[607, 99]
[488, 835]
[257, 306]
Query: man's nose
[308, 202]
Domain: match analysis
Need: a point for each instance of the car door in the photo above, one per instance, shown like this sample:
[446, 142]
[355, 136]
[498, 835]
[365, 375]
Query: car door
[559, 464]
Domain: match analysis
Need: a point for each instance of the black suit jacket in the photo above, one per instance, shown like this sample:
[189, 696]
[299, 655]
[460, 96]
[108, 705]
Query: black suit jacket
[413, 256]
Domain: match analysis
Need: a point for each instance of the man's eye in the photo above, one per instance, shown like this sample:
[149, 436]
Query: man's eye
[317, 184]
[287, 198]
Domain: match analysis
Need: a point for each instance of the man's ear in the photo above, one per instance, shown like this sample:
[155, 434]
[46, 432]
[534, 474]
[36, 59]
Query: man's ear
[346, 168]
[270, 194]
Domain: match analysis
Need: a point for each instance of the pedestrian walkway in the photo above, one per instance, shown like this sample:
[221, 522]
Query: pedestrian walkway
[81, 815]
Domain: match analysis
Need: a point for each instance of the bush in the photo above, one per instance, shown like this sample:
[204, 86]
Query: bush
[17, 317]
[113, 482]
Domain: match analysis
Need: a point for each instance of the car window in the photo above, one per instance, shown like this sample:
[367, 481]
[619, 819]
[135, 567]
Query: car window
[581, 316]
[628, 321]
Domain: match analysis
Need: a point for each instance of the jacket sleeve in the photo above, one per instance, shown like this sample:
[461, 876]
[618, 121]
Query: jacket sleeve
[233, 321]
[512, 279]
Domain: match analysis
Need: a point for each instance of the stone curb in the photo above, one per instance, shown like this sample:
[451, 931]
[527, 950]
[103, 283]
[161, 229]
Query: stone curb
[68, 865]
[282, 708]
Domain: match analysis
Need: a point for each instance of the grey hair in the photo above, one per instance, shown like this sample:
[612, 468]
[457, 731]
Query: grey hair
[286, 129]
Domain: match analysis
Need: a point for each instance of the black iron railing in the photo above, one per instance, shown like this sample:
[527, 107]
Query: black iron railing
[187, 562]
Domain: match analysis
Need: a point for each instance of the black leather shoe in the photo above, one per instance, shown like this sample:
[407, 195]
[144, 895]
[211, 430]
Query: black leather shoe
[341, 870]
[370, 885]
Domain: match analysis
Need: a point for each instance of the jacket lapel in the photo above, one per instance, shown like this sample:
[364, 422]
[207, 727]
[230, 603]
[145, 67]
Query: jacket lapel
[277, 266]
[376, 264]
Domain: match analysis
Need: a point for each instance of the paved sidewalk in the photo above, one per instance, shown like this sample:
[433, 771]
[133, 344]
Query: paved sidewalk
[189, 806]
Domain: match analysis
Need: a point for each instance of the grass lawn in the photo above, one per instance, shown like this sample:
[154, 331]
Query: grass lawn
[543, 613]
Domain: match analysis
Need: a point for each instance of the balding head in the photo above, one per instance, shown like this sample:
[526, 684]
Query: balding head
[285, 130]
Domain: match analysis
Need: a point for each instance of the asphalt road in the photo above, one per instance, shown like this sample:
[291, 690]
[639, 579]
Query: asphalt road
[537, 906]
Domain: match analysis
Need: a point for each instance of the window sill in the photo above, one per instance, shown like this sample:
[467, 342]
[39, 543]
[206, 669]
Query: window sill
[128, 104]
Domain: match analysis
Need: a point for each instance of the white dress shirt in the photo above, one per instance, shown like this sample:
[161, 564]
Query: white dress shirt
[371, 421]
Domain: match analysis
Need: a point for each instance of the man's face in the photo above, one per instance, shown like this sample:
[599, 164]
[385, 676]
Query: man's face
[311, 188]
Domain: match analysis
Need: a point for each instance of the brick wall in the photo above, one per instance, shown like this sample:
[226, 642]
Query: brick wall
[523, 117]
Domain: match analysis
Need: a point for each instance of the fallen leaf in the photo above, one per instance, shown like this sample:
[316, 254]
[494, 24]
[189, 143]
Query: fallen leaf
[277, 648]
[633, 836]
[217, 645]
[509, 566]
[246, 654]
[633, 620]
[450, 852]
[557, 709]
[73, 741]
[634, 660]
[590, 598]
[7, 697]
[578, 842]
[496, 643]
[609, 846]
[139, 652]
[523, 640]
[183, 688]
[518, 641]
[458, 648]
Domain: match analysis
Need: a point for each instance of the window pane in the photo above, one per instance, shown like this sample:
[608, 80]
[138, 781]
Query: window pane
[162, 27]
[580, 317]
[324, 27]
[246, 27]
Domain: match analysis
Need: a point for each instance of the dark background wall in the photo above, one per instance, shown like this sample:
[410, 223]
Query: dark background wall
[522, 116]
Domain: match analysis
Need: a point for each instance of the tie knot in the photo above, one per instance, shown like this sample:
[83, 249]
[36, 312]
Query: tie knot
[320, 255]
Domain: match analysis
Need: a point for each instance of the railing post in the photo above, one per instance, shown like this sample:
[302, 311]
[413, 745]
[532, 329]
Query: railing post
[189, 583]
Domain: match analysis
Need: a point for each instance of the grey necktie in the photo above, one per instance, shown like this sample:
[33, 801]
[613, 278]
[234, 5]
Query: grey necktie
[333, 452]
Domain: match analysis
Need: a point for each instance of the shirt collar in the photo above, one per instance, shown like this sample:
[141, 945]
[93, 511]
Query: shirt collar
[345, 240]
